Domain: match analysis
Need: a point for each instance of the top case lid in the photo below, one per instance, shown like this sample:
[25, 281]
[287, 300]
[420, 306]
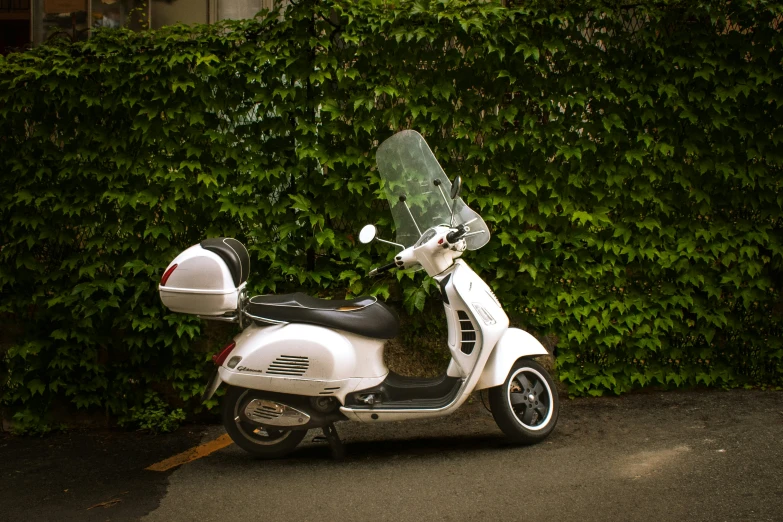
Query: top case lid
[233, 253]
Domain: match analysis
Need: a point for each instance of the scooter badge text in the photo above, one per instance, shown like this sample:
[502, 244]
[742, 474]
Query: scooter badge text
[246, 369]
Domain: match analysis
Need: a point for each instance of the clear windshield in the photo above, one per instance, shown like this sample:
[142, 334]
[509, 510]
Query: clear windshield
[409, 170]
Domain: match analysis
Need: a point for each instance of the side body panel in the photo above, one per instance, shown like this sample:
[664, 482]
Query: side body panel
[304, 359]
[475, 318]
[467, 293]
[514, 344]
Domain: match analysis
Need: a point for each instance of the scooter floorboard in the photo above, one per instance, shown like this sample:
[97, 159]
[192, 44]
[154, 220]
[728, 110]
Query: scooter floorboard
[398, 391]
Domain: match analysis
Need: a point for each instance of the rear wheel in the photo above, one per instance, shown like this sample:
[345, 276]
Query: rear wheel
[262, 442]
[526, 405]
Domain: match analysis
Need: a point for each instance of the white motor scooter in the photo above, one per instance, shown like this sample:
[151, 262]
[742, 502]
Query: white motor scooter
[301, 362]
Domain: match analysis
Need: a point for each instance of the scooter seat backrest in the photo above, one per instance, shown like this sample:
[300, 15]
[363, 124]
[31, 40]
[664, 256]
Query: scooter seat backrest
[233, 253]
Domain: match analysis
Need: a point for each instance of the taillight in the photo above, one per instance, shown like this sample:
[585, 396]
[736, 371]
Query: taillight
[167, 275]
[220, 358]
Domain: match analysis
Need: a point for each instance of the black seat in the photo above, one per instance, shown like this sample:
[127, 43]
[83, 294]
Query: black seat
[233, 253]
[363, 315]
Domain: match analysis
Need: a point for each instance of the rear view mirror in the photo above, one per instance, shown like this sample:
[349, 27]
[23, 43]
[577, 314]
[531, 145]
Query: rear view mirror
[367, 234]
[456, 187]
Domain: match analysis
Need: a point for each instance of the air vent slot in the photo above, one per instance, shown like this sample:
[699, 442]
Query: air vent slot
[329, 391]
[468, 333]
[289, 365]
[493, 296]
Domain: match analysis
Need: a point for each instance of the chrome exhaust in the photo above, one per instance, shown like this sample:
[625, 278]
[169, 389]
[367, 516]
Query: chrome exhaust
[271, 413]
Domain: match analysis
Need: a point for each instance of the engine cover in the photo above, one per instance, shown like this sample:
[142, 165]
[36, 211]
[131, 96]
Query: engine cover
[303, 359]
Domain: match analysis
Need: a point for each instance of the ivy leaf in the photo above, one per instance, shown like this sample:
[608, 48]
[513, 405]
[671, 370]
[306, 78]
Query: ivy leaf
[36, 386]
[206, 179]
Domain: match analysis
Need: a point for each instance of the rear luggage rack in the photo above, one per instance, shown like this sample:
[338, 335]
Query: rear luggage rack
[235, 317]
[228, 318]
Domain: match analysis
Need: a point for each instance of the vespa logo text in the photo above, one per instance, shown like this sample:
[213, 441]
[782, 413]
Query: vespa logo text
[246, 369]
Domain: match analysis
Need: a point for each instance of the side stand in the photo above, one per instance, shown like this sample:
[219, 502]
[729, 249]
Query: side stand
[338, 450]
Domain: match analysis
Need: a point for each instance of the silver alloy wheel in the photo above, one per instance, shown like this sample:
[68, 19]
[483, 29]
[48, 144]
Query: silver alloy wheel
[257, 434]
[530, 398]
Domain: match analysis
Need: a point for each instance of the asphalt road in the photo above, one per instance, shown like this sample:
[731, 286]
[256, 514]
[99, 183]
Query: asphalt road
[657, 456]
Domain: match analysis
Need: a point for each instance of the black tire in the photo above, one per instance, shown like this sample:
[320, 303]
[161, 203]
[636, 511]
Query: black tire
[260, 442]
[526, 405]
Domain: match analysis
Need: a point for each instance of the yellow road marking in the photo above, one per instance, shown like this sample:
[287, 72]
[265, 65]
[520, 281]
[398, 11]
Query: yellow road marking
[192, 454]
[108, 503]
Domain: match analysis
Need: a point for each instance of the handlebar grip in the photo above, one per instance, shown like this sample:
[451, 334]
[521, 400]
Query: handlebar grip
[453, 237]
[384, 268]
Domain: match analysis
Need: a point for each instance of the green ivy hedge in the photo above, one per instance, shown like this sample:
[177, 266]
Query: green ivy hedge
[628, 162]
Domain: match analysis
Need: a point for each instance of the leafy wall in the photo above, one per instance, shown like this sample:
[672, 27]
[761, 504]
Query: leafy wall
[628, 162]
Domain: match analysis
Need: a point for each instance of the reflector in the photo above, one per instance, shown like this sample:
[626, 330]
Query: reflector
[167, 275]
[219, 358]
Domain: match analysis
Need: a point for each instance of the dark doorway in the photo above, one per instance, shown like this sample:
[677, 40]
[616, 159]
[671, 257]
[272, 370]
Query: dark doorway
[14, 25]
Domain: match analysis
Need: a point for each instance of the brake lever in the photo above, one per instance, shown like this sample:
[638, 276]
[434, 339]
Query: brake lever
[375, 271]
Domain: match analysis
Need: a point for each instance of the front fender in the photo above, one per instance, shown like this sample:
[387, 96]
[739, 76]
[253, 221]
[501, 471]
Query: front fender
[514, 343]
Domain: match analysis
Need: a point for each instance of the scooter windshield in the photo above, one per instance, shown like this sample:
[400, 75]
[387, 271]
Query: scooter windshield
[418, 191]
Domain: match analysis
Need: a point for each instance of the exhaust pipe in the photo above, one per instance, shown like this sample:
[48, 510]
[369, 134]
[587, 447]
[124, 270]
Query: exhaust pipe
[275, 411]
[271, 413]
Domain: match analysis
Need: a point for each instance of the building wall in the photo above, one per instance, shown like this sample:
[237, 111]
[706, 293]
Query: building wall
[178, 11]
[48, 20]
[239, 9]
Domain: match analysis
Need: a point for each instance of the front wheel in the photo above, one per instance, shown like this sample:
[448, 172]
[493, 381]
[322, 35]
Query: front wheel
[262, 442]
[526, 405]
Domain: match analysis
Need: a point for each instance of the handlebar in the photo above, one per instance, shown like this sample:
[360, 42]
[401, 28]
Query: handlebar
[384, 268]
[456, 235]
